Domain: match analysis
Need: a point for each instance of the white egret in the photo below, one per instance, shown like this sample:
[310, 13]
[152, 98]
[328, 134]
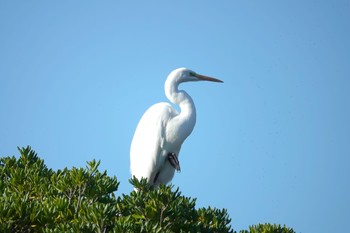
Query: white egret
[161, 131]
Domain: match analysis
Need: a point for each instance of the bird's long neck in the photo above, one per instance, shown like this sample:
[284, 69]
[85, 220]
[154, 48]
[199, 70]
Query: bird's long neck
[187, 117]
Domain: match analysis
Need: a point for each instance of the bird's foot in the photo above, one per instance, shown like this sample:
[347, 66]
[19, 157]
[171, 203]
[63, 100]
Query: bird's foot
[174, 161]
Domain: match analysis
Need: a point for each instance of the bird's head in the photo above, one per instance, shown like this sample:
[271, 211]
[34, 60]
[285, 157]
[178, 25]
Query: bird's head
[187, 75]
[179, 76]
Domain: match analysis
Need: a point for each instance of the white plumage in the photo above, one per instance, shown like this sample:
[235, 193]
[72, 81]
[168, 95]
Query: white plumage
[161, 131]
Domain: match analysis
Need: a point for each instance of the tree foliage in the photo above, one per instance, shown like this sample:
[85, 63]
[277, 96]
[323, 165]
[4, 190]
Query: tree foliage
[37, 199]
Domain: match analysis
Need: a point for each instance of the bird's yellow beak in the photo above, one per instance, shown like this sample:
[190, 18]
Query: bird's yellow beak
[206, 78]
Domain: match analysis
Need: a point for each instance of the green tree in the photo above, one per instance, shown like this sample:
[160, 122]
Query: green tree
[37, 199]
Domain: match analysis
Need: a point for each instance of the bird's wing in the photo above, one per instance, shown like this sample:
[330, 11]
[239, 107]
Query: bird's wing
[147, 147]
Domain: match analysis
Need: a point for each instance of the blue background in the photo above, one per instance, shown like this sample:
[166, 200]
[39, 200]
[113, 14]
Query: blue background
[271, 143]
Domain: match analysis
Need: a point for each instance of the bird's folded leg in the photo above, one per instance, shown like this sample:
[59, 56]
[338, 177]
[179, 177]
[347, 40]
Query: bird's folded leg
[174, 161]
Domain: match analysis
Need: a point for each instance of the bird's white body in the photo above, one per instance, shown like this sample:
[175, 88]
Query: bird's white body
[156, 136]
[162, 130]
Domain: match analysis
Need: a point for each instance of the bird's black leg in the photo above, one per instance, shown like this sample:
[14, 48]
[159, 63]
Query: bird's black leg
[174, 161]
[155, 178]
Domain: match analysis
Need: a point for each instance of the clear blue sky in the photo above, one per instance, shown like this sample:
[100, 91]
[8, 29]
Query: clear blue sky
[271, 144]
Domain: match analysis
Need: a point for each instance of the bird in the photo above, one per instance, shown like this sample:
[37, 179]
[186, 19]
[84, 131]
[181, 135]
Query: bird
[161, 131]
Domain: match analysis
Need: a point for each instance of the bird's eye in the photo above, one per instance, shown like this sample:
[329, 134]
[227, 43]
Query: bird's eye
[193, 74]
